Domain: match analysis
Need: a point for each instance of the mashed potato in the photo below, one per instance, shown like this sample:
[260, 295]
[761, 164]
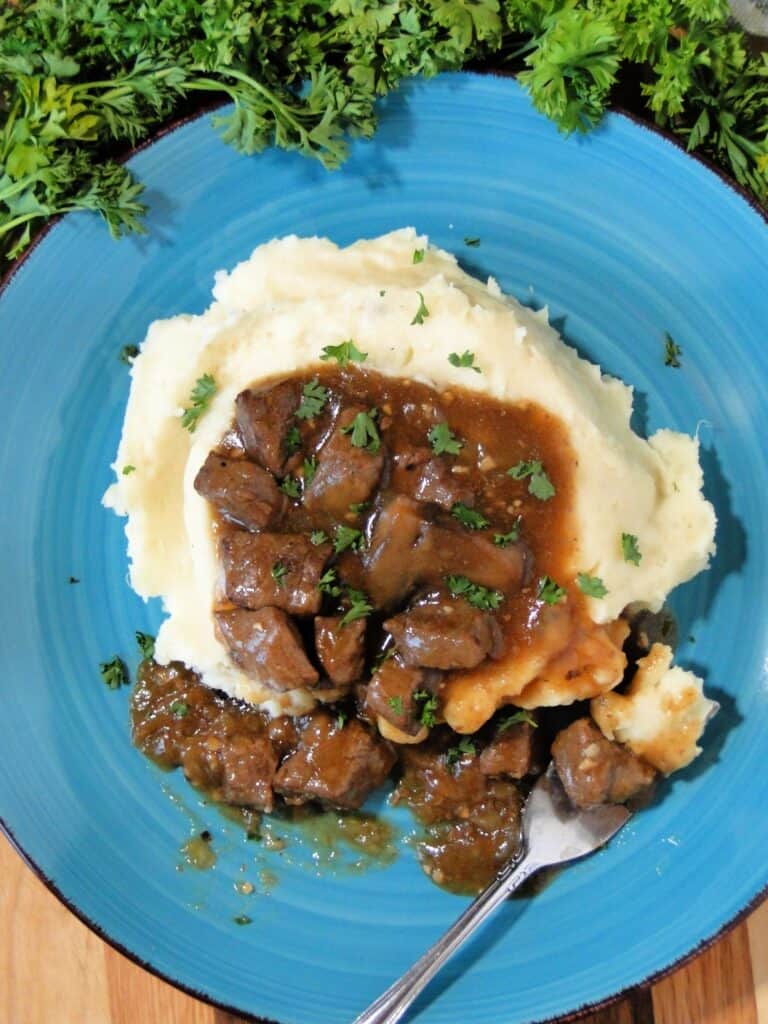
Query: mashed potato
[274, 313]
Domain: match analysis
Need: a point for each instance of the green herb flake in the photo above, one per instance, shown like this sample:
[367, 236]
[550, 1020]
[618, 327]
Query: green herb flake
[113, 673]
[396, 704]
[359, 507]
[550, 592]
[464, 748]
[672, 351]
[345, 352]
[469, 517]
[517, 718]
[418, 255]
[313, 399]
[359, 607]
[427, 712]
[329, 583]
[179, 709]
[629, 548]
[466, 359]
[539, 484]
[128, 353]
[422, 312]
[363, 431]
[341, 717]
[73, 579]
[503, 540]
[242, 919]
[278, 573]
[318, 537]
[290, 485]
[293, 440]
[592, 586]
[484, 598]
[381, 658]
[472, 242]
[310, 468]
[201, 397]
[348, 538]
[146, 644]
[443, 440]
[127, 470]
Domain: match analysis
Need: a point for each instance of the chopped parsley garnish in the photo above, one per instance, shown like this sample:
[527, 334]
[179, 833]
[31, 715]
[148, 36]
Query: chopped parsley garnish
[318, 537]
[348, 537]
[418, 255]
[550, 592]
[422, 312]
[329, 583]
[629, 548]
[310, 468]
[464, 747]
[201, 396]
[466, 358]
[469, 517]
[114, 673]
[592, 586]
[443, 440]
[359, 506]
[278, 573]
[127, 470]
[73, 579]
[503, 540]
[396, 704]
[128, 353]
[516, 718]
[313, 399]
[341, 718]
[290, 485]
[381, 657]
[359, 607]
[485, 599]
[179, 709]
[364, 432]
[293, 440]
[539, 485]
[343, 353]
[426, 713]
[242, 919]
[146, 645]
[672, 351]
[472, 242]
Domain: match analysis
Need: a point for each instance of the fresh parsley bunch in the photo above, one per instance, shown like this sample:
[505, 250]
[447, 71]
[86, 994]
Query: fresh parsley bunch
[80, 82]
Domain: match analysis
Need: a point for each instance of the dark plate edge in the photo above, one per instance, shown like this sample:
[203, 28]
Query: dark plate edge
[564, 1018]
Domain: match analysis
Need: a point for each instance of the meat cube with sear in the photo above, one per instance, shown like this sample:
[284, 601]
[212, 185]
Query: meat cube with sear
[264, 416]
[337, 765]
[248, 767]
[444, 633]
[514, 751]
[393, 560]
[346, 475]
[341, 649]
[427, 477]
[449, 551]
[242, 492]
[594, 770]
[267, 645]
[281, 570]
[391, 694]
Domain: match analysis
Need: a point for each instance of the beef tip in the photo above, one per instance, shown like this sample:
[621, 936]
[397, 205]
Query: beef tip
[248, 766]
[345, 475]
[594, 770]
[514, 751]
[266, 645]
[391, 694]
[427, 477]
[445, 634]
[283, 734]
[281, 570]
[393, 559]
[447, 551]
[339, 766]
[243, 493]
[341, 649]
[263, 417]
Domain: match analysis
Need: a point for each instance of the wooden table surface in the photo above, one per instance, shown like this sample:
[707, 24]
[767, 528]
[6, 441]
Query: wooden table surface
[53, 970]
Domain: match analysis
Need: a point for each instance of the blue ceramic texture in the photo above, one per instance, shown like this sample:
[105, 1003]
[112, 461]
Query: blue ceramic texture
[624, 237]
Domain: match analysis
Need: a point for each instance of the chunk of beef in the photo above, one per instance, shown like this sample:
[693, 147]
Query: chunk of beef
[341, 649]
[445, 633]
[427, 477]
[393, 560]
[345, 475]
[244, 493]
[277, 569]
[248, 766]
[446, 551]
[338, 766]
[594, 770]
[266, 645]
[514, 751]
[391, 694]
[283, 734]
[263, 417]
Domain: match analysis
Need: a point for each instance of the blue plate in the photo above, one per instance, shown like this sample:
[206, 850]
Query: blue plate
[625, 237]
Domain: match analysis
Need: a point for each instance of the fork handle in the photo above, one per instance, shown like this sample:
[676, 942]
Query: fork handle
[392, 1004]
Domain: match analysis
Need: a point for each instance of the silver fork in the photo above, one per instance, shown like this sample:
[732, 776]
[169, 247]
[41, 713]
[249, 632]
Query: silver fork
[554, 832]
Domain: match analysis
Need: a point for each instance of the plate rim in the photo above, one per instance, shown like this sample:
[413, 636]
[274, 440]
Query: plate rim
[564, 1018]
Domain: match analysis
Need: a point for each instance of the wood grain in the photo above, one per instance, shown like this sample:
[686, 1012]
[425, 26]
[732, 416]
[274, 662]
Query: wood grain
[53, 970]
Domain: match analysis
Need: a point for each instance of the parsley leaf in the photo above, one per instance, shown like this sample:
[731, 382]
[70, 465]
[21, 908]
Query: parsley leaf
[318, 537]
[329, 583]
[479, 597]
[313, 399]
[426, 713]
[396, 704]
[114, 673]
[357, 507]
[418, 255]
[672, 351]
[341, 717]
[127, 470]
[464, 748]
[290, 485]
[443, 440]
[592, 586]
[146, 644]
[201, 396]
[343, 353]
[179, 709]
[540, 486]
[469, 517]
[310, 468]
[550, 592]
[502, 540]
[347, 537]
[364, 432]
[421, 313]
[629, 548]
[359, 607]
[278, 573]
[242, 919]
[293, 440]
[128, 353]
[466, 358]
[516, 718]
[472, 242]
